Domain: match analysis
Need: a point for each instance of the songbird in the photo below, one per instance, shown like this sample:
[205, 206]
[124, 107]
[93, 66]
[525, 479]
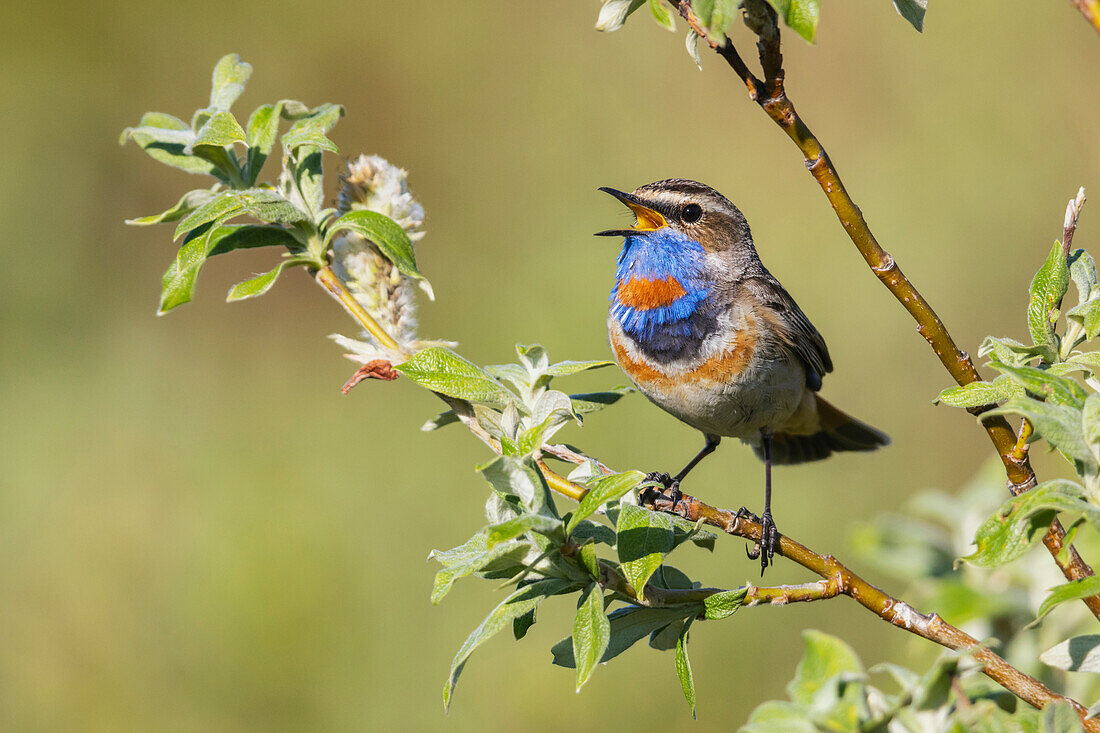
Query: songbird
[711, 337]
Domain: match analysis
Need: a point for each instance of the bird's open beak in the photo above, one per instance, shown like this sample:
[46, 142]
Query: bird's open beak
[648, 220]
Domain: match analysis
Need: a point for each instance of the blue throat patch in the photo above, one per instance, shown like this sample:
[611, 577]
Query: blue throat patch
[675, 330]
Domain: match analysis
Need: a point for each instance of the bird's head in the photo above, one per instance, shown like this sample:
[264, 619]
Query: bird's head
[684, 212]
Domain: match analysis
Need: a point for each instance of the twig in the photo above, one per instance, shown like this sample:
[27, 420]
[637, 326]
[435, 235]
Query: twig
[839, 580]
[1091, 10]
[771, 95]
[1073, 213]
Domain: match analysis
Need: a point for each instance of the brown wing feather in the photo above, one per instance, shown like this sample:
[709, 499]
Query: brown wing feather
[791, 325]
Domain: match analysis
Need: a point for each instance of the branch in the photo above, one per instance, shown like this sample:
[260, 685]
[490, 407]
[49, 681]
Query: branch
[771, 95]
[839, 580]
[1091, 10]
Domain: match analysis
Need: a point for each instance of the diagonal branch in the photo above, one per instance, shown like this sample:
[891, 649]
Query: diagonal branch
[839, 580]
[771, 95]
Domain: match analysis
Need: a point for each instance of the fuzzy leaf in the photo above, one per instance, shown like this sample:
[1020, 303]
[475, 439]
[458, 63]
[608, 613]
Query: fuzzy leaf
[260, 284]
[724, 604]
[591, 633]
[1071, 591]
[466, 559]
[513, 528]
[823, 658]
[1022, 521]
[442, 370]
[602, 490]
[521, 602]
[220, 208]
[511, 475]
[1047, 289]
[800, 15]
[310, 130]
[1044, 384]
[569, 368]
[977, 394]
[230, 76]
[613, 14]
[164, 139]
[220, 130]
[644, 538]
[683, 666]
[661, 14]
[913, 11]
[188, 203]
[1088, 315]
[628, 626]
[588, 402]
[263, 128]
[1079, 654]
[384, 232]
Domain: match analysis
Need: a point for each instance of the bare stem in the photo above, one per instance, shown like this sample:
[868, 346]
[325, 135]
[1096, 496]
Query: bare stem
[771, 95]
[327, 279]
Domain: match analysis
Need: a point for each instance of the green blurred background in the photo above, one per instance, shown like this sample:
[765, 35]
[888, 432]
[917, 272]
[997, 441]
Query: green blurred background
[200, 533]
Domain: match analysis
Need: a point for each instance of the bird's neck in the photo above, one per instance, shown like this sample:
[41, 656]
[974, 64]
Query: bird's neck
[660, 298]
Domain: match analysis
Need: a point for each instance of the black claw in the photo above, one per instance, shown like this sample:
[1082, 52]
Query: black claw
[769, 541]
[661, 478]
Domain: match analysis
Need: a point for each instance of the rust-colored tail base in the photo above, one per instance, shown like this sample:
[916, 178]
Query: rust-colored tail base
[838, 432]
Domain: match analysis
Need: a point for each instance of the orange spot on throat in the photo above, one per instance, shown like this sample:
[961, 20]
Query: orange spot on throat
[648, 294]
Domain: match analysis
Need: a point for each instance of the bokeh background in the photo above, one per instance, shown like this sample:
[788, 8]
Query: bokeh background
[198, 532]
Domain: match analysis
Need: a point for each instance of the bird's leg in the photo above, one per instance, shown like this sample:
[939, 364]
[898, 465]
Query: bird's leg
[673, 482]
[769, 536]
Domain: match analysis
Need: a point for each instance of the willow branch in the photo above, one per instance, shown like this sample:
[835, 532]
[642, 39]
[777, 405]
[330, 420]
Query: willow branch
[1091, 10]
[839, 580]
[771, 95]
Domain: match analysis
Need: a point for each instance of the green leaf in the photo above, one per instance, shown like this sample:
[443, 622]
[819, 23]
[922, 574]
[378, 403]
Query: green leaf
[519, 477]
[384, 232]
[223, 206]
[1079, 654]
[913, 11]
[683, 666]
[178, 284]
[613, 13]
[569, 368]
[589, 559]
[164, 139]
[466, 559]
[823, 658]
[522, 624]
[715, 16]
[521, 602]
[270, 206]
[1047, 289]
[1071, 591]
[661, 14]
[1059, 425]
[1010, 351]
[310, 131]
[591, 633]
[800, 15]
[1090, 425]
[593, 531]
[263, 128]
[188, 203]
[306, 169]
[602, 490]
[977, 394]
[1088, 360]
[498, 533]
[442, 370]
[644, 538]
[588, 402]
[1045, 384]
[779, 715]
[230, 76]
[1088, 315]
[629, 625]
[257, 286]
[724, 604]
[220, 130]
[1060, 717]
[1022, 521]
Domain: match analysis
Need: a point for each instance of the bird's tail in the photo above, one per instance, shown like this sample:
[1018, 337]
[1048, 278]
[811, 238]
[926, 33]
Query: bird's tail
[817, 430]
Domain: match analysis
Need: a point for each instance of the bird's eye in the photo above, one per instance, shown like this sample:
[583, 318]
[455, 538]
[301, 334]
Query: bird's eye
[691, 213]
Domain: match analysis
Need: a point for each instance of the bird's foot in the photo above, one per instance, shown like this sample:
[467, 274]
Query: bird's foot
[671, 488]
[764, 549]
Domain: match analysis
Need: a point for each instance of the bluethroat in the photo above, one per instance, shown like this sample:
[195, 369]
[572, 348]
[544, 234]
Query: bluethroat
[711, 337]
